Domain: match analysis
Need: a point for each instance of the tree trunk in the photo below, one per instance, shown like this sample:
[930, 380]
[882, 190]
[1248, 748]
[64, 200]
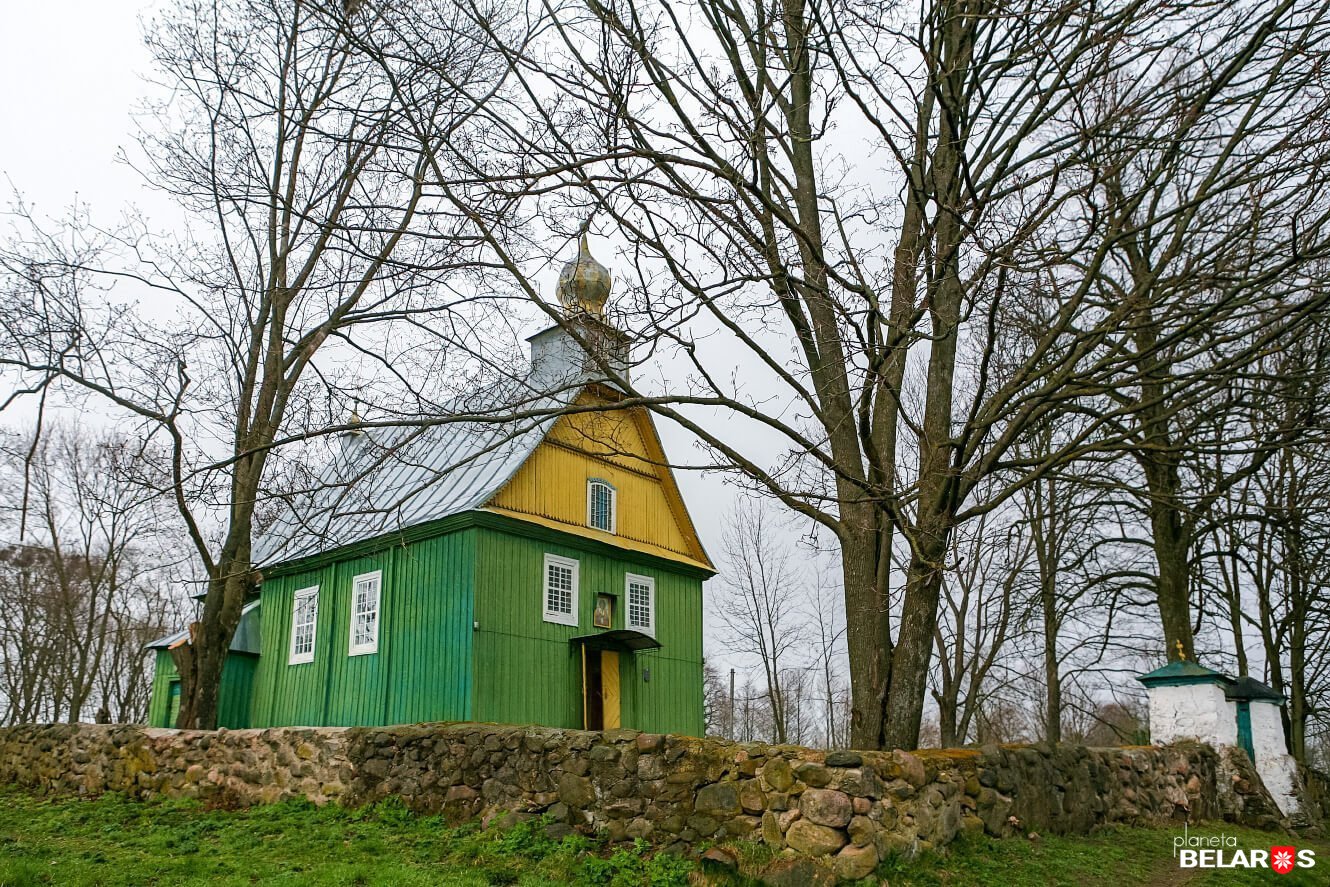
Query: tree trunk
[867, 626]
[908, 683]
[205, 655]
[1052, 678]
[914, 651]
[1171, 548]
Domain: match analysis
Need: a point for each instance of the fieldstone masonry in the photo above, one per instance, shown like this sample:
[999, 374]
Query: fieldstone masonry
[843, 809]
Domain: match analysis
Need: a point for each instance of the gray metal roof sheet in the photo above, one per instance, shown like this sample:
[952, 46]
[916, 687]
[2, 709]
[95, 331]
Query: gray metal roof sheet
[246, 638]
[389, 479]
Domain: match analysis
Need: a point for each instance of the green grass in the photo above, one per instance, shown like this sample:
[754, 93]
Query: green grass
[114, 841]
[1130, 857]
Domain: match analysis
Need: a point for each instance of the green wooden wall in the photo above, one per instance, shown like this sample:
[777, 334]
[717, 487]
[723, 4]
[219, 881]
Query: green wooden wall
[233, 698]
[421, 671]
[526, 671]
[163, 672]
[461, 637]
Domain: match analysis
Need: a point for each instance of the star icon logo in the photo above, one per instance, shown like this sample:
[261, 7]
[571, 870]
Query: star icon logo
[1281, 859]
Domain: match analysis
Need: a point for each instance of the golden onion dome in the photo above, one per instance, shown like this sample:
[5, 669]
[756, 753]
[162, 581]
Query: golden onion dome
[584, 283]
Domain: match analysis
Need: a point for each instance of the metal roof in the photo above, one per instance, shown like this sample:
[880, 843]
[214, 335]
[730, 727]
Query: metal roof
[389, 479]
[620, 639]
[1252, 689]
[1183, 671]
[246, 638]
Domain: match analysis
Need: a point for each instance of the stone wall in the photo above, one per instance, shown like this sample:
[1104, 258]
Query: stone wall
[847, 809]
[1315, 810]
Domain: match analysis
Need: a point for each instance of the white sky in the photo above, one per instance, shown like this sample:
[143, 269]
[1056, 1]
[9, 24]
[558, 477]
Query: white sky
[70, 75]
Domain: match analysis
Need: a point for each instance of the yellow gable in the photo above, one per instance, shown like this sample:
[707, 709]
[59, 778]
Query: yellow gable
[619, 446]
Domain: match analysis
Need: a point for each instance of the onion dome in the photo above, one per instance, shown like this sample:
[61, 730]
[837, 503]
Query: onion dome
[584, 283]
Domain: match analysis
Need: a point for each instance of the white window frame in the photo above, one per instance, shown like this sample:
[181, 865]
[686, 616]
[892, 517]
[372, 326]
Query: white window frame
[591, 508]
[354, 649]
[649, 583]
[294, 658]
[557, 616]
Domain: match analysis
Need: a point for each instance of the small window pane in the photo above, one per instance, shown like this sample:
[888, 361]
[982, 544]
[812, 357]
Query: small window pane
[600, 506]
[304, 619]
[365, 614]
[559, 587]
[641, 609]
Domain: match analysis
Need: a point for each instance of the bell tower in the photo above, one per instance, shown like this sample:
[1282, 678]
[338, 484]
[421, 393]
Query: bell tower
[557, 355]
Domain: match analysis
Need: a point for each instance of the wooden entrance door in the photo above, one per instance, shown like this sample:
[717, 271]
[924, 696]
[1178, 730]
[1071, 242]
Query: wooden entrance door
[600, 690]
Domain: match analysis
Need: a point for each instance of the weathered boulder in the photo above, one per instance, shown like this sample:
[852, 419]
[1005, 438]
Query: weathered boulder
[778, 774]
[814, 840]
[826, 807]
[791, 871]
[853, 862]
[720, 799]
[576, 791]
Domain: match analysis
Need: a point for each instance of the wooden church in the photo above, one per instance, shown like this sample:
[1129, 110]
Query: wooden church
[540, 570]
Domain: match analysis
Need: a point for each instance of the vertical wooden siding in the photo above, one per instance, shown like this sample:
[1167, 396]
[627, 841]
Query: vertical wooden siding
[644, 513]
[163, 672]
[619, 447]
[421, 671]
[528, 672]
[233, 698]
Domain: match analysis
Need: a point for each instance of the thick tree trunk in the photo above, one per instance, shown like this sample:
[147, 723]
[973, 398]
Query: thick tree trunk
[867, 625]
[861, 528]
[1173, 593]
[936, 506]
[205, 656]
[914, 650]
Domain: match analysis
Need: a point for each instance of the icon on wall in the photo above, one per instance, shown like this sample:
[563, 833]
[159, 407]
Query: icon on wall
[603, 617]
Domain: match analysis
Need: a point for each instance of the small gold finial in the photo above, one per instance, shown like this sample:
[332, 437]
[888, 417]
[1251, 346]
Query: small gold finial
[1182, 651]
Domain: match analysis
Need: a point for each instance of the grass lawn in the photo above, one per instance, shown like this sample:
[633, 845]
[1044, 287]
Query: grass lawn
[112, 841]
[1131, 857]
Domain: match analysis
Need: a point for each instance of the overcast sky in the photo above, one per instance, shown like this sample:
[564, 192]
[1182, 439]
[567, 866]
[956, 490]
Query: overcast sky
[71, 76]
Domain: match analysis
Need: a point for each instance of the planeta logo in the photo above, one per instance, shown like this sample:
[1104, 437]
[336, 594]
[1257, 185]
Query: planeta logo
[1222, 852]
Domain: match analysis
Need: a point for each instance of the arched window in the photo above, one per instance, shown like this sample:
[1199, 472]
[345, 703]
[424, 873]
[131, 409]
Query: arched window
[600, 505]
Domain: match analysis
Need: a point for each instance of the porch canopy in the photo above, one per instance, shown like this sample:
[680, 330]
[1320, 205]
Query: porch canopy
[621, 639]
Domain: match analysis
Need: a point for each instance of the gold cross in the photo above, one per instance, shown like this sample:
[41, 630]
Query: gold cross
[1182, 651]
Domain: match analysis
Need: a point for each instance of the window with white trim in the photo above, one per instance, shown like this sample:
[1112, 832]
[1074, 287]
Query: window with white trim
[304, 622]
[640, 593]
[560, 590]
[365, 613]
[600, 496]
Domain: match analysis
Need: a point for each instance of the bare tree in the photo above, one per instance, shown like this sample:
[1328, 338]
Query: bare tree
[86, 576]
[717, 713]
[317, 262]
[761, 606]
[827, 651]
[1013, 150]
[978, 602]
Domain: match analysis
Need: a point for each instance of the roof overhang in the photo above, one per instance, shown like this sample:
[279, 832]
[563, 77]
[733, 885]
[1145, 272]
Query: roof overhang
[1184, 672]
[1251, 690]
[622, 639]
